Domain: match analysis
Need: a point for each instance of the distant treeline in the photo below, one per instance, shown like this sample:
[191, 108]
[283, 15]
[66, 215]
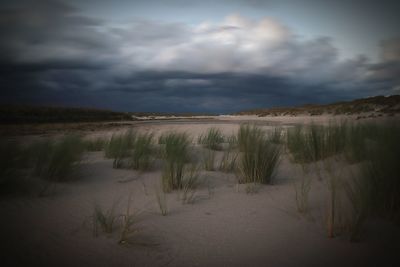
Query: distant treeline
[32, 114]
[389, 105]
[11, 114]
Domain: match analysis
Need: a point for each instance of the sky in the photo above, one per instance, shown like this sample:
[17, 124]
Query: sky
[197, 56]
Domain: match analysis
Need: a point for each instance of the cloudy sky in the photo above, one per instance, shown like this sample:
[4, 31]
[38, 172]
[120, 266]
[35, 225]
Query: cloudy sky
[197, 56]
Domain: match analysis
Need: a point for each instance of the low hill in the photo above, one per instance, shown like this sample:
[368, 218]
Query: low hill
[378, 105]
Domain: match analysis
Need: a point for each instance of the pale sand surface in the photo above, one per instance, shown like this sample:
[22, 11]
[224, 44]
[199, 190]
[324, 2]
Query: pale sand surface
[223, 227]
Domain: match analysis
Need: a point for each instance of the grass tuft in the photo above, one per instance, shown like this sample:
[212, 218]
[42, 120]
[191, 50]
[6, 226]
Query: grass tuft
[382, 169]
[175, 154]
[119, 147]
[302, 190]
[247, 134]
[161, 199]
[190, 182]
[275, 136]
[142, 152]
[212, 139]
[105, 219]
[252, 188]
[230, 155]
[259, 158]
[316, 142]
[129, 220]
[228, 160]
[358, 190]
[56, 160]
[208, 159]
[94, 145]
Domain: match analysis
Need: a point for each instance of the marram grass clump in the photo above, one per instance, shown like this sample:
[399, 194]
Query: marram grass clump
[259, 158]
[208, 159]
[190, 183]
[94, 145]
[247, 134]
[175, 153]
[56, 160]
[313, 142]
[119, 147]
[141, 156]
[212, 139]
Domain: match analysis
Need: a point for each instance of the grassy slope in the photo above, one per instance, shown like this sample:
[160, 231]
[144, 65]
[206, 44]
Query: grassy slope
[380, 104]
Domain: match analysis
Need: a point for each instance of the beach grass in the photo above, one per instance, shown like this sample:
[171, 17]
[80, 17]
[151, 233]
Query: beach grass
[359, 191]
[313, 142]
[335, 183]
[190, 183]
[129, 220]
[105, 219]
[247, 134]
[95, 145]
[302, 190]
[382, 169]
[119, 147]
[161, 199]
[175, 154]
[56, 160]
[141, 156]
[275, 136]
[208, 159]
[259, 158]
[228, 160]
[212, 139]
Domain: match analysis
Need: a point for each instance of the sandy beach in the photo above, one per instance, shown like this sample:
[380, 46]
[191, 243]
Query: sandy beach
[223, 226]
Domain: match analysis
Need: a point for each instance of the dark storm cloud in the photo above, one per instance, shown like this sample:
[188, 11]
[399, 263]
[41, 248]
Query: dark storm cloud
[386, 74]
[49, 32]
[52, 54]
